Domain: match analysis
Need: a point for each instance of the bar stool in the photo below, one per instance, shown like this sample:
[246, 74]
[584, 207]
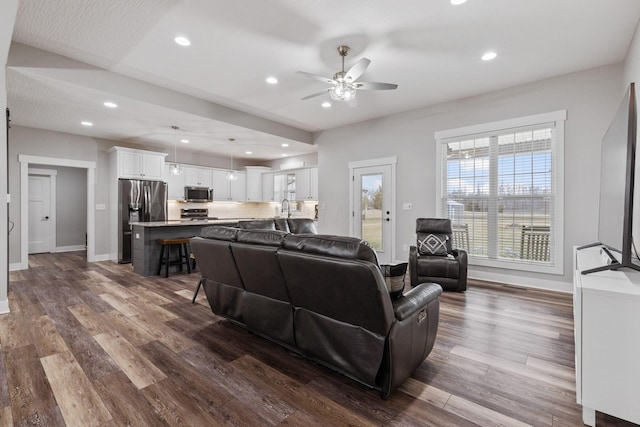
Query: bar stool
[183, 254]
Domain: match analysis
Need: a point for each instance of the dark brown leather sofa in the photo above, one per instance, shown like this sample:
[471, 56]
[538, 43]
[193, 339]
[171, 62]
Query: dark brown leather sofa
[290, 225]
[320, 296]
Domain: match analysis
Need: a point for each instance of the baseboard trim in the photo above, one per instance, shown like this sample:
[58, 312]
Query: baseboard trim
[72, 248]
[17, 266]
[101, 257]
[4, 306]
[528, 282]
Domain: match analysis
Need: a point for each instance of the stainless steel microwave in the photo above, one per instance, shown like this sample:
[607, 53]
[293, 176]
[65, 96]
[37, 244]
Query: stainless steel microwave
[198, 194]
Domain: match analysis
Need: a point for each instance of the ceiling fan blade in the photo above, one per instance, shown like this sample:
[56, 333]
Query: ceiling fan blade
[376, 86]
[313, 76]
[315, 94]
[357, 69]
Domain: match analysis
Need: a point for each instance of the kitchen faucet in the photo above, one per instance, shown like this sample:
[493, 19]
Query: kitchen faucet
[285, 202]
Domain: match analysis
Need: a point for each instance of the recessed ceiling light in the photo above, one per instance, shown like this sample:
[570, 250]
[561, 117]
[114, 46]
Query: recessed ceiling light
[457, 2]
[489, 56]
[110, 104]
[284, 155]
[248, 152]
[284, 144]
[182, 41]
[184, 141]
[271, 80]
[326, 104]
[86, 123]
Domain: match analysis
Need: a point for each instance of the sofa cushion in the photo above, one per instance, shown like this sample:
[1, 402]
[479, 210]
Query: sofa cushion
[302, 226]
[261, 237]
[257, 224]
[219, 232]
[336, 246]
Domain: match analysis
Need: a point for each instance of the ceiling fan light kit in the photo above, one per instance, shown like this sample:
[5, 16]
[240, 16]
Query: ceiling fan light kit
[344, 85]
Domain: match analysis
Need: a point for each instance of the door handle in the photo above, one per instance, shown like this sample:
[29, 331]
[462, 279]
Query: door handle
[387, 219]
[46, 218]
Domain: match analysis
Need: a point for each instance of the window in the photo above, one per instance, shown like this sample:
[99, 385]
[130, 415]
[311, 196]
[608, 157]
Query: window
[501, 185]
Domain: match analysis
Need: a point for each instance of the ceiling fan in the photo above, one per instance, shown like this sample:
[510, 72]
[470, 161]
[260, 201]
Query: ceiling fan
[344, 84]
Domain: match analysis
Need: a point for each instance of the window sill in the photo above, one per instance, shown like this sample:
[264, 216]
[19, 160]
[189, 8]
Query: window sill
[546, 268]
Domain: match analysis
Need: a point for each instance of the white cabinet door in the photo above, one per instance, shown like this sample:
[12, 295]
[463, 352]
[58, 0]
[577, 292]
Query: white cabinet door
[238, 188]
[313, 183]
[129, 164]
[303, 181]
[175, 184]
[152, 166]
[220, 185]
[198, 177]
[267, 187]
[254, 183]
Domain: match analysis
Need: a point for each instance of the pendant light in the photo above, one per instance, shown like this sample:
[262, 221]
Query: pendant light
[232, 175]
[176, 168]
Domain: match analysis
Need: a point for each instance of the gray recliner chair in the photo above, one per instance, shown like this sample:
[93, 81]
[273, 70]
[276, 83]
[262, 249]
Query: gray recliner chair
[434, 260]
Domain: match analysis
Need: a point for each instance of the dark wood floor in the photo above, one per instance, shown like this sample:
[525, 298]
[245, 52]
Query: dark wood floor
[94, 344]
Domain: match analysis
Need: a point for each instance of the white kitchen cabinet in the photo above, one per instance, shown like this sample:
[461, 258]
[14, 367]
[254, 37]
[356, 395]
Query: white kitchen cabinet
[268, 188]
[198, 177]
[137, 164]
[254, 182]
[306, 186]
[238, 188]
[284, 186]
[606, 308]
[229, 190]
[175, 183]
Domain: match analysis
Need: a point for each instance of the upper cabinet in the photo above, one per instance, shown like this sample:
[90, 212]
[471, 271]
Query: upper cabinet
[198, 177]
[298, 184]
[175, 183]
[137, 164]
[307, 184]
[255, 175]
[268, 187]
[225, 189]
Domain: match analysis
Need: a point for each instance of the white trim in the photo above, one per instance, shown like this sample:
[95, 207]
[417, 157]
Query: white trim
[554, 116]
[4, 306]
[51, 173]
[384, 161]
[72, 248]
[528, 282]
[15, 266]
[101, 257]
[556, 119]
[25, 161]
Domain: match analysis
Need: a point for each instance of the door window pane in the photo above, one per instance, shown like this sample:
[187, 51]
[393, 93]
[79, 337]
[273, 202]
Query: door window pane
[371, 215]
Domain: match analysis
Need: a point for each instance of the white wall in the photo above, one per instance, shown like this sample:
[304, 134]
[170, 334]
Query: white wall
[71, 207]
[590, 98]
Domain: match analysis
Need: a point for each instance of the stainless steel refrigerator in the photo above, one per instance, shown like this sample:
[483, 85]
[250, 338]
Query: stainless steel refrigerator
[139, 201]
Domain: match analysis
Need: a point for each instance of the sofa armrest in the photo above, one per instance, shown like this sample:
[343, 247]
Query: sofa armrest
[413, 265]
[461, 256]
[415, 300]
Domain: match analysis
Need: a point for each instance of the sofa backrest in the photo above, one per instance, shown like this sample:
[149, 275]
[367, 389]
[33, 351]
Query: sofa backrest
[302, 226]
[213, 252]
[257, 224]
[255, 255]
[337, 277]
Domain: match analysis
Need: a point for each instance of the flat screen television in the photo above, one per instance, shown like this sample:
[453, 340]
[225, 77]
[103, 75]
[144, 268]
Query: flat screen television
[617, 181]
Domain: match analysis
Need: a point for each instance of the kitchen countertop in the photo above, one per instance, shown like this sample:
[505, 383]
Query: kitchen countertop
[174, 223]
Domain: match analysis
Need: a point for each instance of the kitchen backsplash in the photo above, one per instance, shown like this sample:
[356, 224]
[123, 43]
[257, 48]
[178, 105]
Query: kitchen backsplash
[224, 210]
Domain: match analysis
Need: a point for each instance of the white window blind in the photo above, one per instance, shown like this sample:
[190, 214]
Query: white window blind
[498, 187]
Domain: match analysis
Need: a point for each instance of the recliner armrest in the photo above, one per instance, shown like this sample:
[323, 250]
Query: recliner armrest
[416, 299]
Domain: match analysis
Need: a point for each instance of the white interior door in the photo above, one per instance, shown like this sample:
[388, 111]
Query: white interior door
[40, 214]
[372, 208]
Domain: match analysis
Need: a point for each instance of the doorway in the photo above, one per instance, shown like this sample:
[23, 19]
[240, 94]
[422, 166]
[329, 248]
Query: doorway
[372, 200]
[42, 208]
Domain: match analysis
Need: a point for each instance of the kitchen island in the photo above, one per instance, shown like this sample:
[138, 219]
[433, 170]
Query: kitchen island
[145, 252]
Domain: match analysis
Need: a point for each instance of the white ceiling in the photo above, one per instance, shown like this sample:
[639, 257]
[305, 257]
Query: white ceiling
[215, 89]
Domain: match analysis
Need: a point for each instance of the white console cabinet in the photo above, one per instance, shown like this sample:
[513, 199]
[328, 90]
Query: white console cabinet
[606, 309]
